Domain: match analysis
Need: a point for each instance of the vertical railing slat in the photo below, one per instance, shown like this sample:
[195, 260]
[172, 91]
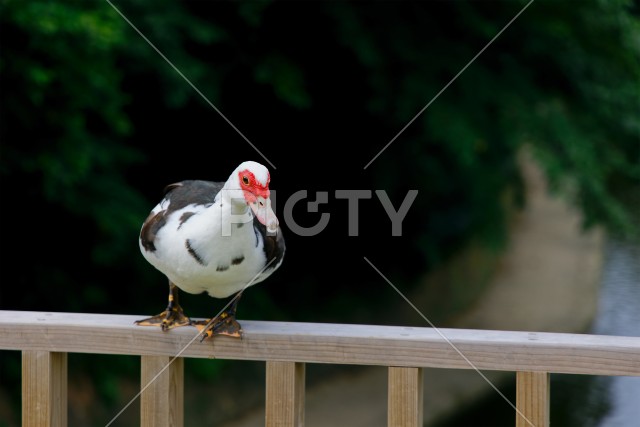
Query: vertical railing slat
[162, 401]
[405, 400]
[532, 399]
[285, 394]
[44, 388]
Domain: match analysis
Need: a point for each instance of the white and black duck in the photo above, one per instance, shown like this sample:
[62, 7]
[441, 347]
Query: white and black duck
[214, 237]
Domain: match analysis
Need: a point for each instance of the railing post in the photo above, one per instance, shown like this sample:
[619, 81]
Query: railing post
[285, 394]
[44, 388]
[162, 401]
[532, 399]
[405, 402]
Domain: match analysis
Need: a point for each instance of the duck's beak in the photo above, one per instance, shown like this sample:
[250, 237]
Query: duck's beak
[264, 212]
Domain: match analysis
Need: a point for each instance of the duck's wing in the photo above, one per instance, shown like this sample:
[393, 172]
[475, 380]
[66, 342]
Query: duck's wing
[177, 196]
[191, 192]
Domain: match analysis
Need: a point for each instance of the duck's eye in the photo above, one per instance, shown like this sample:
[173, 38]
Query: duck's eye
[245, 180]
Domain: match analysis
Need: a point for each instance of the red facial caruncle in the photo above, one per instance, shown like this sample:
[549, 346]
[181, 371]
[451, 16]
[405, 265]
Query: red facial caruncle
[251, 187]
[257, 196]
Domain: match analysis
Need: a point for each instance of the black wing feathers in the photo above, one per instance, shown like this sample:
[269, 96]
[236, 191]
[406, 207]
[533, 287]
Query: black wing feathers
[196, 192]
[180, 195]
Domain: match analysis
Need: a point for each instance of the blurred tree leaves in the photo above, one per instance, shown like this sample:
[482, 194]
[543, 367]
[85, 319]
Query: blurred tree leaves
[94, 123]
[589, 128]
[94, 120]
[60, 130]
[88, 107]
[548, 82]
[285, 78]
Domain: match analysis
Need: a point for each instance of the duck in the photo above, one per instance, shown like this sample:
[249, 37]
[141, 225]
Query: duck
[213, 237]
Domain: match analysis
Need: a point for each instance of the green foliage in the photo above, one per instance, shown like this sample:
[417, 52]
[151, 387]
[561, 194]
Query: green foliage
[587, 133]
[560, 79]
[95, 122]
[61, 130]
[563, 80]
[66, 162]
[285, 78]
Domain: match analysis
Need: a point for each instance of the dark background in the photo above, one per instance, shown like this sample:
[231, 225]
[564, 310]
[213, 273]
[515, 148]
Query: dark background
[94, 123]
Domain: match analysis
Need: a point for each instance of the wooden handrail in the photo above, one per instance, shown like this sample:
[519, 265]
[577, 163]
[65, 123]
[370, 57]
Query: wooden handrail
[329, 343]
[46, 338]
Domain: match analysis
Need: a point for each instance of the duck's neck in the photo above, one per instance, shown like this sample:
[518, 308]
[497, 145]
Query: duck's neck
[232, 216]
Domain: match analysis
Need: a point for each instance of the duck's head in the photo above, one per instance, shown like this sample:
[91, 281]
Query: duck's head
[249, 185]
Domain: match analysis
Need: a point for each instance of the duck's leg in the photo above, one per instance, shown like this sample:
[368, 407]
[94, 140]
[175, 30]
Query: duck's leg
[224, 324]
[171, 317]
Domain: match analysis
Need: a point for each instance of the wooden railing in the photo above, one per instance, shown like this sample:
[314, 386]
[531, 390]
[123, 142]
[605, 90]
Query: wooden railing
[46, 338]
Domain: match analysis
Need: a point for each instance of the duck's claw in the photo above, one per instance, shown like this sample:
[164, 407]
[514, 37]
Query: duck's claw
[168, 319]
[224, 324]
